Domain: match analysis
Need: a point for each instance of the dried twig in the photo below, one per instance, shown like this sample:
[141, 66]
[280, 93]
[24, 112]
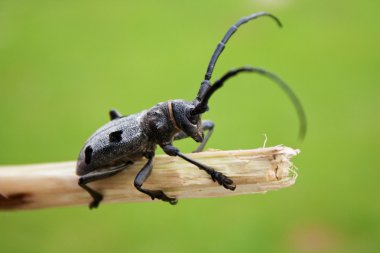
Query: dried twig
[55, 184]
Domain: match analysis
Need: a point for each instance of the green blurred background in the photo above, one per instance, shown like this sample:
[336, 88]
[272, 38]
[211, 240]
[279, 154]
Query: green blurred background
[64, 64]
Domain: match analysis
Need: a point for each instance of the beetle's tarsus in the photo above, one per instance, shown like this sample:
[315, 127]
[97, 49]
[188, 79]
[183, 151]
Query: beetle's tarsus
[158, 194]
[173, 201]
[223, 180]
[94, 204]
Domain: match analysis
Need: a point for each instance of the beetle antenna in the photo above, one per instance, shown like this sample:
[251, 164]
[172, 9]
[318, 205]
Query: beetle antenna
[220, 47]
[202, 105]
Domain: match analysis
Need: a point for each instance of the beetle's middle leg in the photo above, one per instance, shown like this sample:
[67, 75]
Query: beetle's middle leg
[208, 126]
[143, 175]
[215, 175]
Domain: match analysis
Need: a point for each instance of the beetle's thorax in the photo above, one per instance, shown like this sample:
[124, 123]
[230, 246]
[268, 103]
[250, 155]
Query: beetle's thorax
[158, 123]
[164, 120]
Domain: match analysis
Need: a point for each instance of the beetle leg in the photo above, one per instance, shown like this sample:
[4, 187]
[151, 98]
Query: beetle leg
[94, 176]
[215, 175]
[114, 114]
[143, 175]
[208, 126]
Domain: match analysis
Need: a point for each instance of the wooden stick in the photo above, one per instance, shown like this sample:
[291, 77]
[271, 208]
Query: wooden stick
[55, 184]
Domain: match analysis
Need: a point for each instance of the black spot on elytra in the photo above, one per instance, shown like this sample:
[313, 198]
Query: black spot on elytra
[88, 154]
[116, 136]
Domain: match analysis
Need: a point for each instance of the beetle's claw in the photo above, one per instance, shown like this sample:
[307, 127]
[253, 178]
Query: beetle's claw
[173, 201]
[161, 195]
[94, 204]
[223, 180]
[231, 187]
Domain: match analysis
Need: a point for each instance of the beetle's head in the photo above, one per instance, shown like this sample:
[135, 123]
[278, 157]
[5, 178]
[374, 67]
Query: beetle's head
[185, 121]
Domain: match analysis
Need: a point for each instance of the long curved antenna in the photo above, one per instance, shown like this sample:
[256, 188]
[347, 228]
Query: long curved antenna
[202, 106]
[227, 36]
[205, 85]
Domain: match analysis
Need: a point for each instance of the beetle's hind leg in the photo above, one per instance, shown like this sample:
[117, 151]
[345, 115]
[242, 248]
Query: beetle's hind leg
[143, 175]
[94, 176]
[115, 114]
[208, 126]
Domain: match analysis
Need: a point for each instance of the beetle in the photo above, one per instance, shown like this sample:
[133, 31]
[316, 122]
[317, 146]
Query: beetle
[125, 139]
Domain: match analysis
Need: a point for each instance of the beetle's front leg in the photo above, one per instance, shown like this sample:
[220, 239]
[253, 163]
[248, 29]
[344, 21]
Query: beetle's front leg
[215, 175]
[143, 175]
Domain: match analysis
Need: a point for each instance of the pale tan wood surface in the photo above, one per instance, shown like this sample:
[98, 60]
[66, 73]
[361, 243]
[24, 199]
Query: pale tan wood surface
[55, 184]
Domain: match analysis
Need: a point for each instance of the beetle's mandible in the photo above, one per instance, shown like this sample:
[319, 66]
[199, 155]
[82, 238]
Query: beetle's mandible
[125, 139]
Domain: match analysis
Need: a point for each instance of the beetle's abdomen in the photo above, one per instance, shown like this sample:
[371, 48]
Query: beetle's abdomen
[119, 141]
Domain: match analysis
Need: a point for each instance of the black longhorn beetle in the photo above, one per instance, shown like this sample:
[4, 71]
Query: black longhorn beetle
[125, 139]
